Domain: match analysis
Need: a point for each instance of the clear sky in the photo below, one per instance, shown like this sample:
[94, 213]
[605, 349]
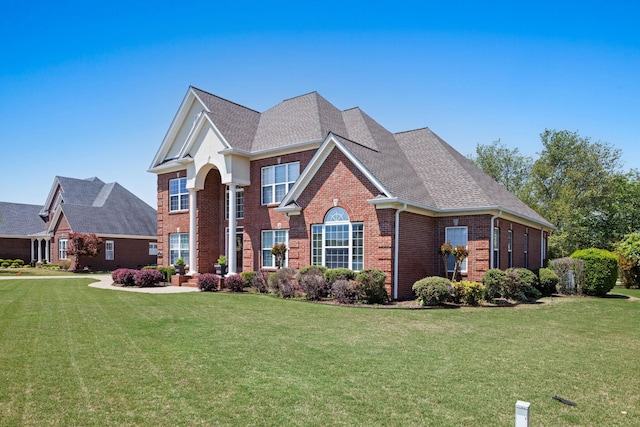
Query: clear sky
[90, 88]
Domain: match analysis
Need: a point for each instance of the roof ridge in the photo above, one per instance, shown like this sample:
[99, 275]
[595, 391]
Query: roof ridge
[375, 150]
[300, 96]
[225, 99]
[415, 130]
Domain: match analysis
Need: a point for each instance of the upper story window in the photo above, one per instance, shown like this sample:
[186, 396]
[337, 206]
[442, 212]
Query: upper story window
[239, 203]
[457, 236]
[277, 180]
[178, 195]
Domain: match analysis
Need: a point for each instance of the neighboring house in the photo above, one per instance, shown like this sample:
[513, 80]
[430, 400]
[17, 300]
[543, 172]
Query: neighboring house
[125, 223]
[338, 188]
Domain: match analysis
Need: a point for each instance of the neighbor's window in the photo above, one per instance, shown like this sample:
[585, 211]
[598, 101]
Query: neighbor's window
[496, 247]
[270, 238]
[338, 243]
[109, 250]
[510, 247]
[178, 247]
[178, 195]
[62, 248]
[526, 250]
[277, 180]
[239, 203]
[457, 236]
[153, 248]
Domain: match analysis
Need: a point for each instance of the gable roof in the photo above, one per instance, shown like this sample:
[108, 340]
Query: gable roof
[20, 220]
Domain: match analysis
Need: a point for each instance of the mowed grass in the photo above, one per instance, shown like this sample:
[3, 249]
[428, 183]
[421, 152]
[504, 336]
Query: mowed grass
[74, 355]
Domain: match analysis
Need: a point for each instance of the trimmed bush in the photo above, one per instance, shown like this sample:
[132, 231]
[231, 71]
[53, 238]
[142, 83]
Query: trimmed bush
[601, 270]
[234, 282]
[147, 278]
[433, 290]
[570, 272]
[167, 272]
[247, 276]
[371, 286]
[470, 293]
[305, 270]
[334, 274]
[344, 291]
[493, 282]
[547, 281]
[5, 264]
[518, 285]
[282, 283]
[121, 276]
[208, 282]
[313, 284]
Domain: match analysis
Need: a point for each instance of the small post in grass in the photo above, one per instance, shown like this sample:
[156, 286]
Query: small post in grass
[522, 413]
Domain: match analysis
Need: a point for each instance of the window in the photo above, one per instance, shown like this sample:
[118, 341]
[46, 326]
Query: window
[510, 247]
[62, 248]
[457, 236]
[178, 247]
[338, 243]
[239, 203]
[277, 181]
[178, 195]
[153, 249]
[526, 250]
[109, 250]
[543, 250]
[270, 238]
[496, 247]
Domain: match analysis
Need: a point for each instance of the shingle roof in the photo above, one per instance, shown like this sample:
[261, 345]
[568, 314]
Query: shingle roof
[17, 219]
[417, 166]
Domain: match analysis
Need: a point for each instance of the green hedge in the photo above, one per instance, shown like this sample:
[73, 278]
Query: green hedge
[601, 270]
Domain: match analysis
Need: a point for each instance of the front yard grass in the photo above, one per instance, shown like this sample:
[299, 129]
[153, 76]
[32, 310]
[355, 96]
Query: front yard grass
[74, 355]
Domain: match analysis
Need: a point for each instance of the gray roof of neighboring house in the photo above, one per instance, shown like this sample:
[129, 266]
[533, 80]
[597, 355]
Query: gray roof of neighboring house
[417, 166]
[17, 219]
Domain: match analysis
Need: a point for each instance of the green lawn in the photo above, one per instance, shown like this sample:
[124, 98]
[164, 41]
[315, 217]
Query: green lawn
[28, 271]
[74, 355]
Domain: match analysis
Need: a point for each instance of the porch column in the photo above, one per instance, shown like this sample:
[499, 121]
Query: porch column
[39, 250]
[32, 251]
[231, 244]
[47, 251]
[193, 199]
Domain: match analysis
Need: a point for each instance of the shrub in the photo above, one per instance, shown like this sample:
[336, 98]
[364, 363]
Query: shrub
[570, 272]
[433, 290]
[5, 264]
[259, 281]
[208, 282]
[601, 270]
[306, 269]
[122, 276]
[493, 281]
[344, 291]
[371, 286]
[167, 272]
[334, 274]
[147, 278]
[547, 281]
[313, 284]
[283, 282]
[469, 293]
[65, 264]
[234, 282]
[247, 276]
[518, 285]
[17, 263]
[628, 250]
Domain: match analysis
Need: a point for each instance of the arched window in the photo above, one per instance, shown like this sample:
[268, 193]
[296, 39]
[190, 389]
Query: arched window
[338, 243]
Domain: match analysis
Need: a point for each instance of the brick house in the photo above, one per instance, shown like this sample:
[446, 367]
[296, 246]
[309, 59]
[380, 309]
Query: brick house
[125, 223]
[338, 188]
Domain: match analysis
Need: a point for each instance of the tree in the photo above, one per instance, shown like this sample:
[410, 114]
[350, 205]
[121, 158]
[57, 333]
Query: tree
[81, 244]
[507, 166]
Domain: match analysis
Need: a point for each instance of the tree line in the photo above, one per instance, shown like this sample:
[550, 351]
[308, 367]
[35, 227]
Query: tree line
[577, 184]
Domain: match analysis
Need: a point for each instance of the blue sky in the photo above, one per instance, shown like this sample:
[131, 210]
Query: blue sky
[90, 89]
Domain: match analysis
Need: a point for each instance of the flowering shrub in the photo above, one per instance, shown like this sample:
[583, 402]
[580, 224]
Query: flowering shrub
[147, 278]
[124, 276]
[208, 282]
[234, 282]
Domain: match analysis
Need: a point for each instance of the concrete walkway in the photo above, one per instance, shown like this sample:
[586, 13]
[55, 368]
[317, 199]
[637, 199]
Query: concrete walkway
[104, 281]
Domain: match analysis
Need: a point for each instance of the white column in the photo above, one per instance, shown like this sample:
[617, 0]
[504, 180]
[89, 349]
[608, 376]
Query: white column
[231, 244]
[47, 252]
[32, 252]
[193, 199]
[39, 250]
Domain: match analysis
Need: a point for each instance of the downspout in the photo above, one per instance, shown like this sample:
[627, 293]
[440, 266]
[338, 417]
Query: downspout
[493, 220]
[396, 251]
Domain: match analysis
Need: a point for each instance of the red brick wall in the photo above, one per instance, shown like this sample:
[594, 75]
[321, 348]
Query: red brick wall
[518, 231]
[128, 253]
[15, 248]
[62, 228]
[210, 222]
[417, 251]
[168, 222]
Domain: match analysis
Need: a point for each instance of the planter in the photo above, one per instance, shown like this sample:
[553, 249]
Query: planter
[180, 269]
[221, 270]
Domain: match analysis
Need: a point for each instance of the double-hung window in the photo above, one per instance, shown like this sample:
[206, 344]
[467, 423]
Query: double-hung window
[457, 236]
[338, 243]
[269, 239]
[526, 250]
[277, 180]
[496, 248]
[510, 247]
[62, 248]
[178, 195]
[109, 250]
[178, 247]
[239, 203]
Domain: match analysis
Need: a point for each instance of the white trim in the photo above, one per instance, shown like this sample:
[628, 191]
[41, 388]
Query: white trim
[396, 251]
[465, 262]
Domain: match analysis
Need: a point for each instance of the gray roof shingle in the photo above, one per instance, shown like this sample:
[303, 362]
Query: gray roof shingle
[17, 219]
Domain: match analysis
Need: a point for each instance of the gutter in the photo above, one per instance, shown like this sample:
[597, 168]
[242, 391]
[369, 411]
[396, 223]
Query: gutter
[493, 219]
[396, 251]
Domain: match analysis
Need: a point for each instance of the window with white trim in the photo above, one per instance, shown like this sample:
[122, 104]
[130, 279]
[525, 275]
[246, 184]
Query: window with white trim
[510, 247]
[153, 249]
[277, 180]
[178, 247]
[526, 250]
[543, 250]
[338, 243]
[239, 203]
[496, 247]
[109, 250]
[270, 238]
[178, 195]
[457, 236]
[62, 248]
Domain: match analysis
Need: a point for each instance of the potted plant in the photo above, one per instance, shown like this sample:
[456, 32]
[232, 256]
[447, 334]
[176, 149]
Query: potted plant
[279, 251]
[180, 266]
[221, 265]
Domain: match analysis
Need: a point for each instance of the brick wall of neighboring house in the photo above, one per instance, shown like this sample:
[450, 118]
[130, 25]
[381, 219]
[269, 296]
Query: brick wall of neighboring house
[61, 230]
[128, 253]
[417, 252]
[169, 222]
[16, 248]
